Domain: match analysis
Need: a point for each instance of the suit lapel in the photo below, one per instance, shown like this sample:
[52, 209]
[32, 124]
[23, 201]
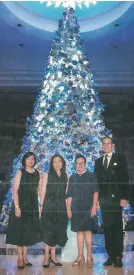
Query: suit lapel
[113, 159]
[101, 162]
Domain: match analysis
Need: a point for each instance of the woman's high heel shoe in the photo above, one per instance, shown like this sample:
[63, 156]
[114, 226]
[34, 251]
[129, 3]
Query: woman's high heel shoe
[46, 265]
[89, 263]
[79, 261]
[27, 264]
[56, 264]
[22, 266]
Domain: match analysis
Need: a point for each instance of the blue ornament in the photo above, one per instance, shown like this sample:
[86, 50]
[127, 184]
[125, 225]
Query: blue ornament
[74, 144]
[67, 144]
[70, 157]
[75, 63]
[52, 108]
[68, 122]
[76, 97]
[74, 117]
[60, 142]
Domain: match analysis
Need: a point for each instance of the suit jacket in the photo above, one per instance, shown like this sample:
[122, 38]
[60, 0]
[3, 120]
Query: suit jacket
[115, 180]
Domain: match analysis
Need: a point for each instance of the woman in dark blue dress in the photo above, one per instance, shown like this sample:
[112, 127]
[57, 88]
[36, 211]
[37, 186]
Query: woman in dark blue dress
[82, 198]
[23, 226]
[53, 212]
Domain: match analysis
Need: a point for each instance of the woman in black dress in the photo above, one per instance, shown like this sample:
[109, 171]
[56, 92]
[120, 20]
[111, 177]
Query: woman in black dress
[53, 209]
[82, 198]
[23, 226]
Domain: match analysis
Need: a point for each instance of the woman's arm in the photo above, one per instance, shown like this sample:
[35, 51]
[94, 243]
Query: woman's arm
[95, 199]
[40, 184]
[67, 189]
[43, 185]
[95, 204]
[69, 194]
[69, 212]
[16, 185]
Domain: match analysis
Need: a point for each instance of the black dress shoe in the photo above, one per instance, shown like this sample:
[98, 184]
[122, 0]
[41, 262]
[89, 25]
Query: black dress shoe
[56, 264]
[118, 262]
[108, 262]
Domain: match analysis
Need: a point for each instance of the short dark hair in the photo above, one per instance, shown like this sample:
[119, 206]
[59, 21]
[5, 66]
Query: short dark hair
[27, 155]
[80, 156]
[108, 138]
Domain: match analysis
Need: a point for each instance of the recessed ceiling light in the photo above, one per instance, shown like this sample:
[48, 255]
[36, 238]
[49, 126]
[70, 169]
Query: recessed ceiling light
[21, 45]
[116, 25]
[19, 25]
[115, 46]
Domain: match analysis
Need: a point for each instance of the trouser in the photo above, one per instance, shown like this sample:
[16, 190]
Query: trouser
[113, 234]
[113, 226]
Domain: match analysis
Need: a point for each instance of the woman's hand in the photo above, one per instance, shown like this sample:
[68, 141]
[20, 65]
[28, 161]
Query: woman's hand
[98, 205]
[40, 211]
[93, 211]
[17, 212]
[69, 213]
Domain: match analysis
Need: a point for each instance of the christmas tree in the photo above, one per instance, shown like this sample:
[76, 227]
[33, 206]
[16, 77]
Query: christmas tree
[67, 116]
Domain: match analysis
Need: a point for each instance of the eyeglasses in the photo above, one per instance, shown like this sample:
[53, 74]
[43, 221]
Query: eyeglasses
[80, 163]
[106, 143]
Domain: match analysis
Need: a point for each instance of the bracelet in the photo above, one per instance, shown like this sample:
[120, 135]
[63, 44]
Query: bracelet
[41, 204]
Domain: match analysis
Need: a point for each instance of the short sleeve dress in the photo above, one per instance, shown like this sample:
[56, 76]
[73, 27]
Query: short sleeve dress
[54, 220]
[23, 231]
[81, 189]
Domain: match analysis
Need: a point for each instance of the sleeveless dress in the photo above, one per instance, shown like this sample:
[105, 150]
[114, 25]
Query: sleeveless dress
[81, 189]
[23, 231]
[54, 220]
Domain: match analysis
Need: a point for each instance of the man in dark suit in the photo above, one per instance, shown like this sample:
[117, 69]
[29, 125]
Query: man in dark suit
[112, 176]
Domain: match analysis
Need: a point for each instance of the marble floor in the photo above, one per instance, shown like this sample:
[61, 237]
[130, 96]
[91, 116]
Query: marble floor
[8, 259]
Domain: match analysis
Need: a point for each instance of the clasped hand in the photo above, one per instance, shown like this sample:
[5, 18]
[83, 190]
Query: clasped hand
[18, 212]
[69, 213]
[93, 210]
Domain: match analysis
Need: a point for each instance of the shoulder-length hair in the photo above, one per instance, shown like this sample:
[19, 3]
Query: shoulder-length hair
[27, 155]
[51, 168]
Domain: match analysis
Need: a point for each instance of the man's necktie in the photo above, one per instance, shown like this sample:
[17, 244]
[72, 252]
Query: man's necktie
[105, 163]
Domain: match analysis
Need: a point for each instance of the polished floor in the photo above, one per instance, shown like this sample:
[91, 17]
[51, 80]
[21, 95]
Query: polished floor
[8, 259]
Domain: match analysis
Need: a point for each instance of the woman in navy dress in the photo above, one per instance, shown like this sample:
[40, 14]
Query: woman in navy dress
[82, 198]
[53, 212]
[23, 226]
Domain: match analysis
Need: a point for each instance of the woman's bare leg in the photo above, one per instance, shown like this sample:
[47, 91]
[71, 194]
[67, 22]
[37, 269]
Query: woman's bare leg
[20, 255]
[80, 243]
[47, 254]
[88, 240]
[53, 254]
[25, 254]
[80, 246]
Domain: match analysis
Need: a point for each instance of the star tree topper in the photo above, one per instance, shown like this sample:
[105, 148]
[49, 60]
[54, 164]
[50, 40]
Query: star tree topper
[69, 3]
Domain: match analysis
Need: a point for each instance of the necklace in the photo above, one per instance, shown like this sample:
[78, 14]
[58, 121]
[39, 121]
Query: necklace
[80, 174]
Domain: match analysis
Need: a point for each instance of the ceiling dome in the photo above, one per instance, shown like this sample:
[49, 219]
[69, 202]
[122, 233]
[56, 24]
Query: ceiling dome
[46, 18]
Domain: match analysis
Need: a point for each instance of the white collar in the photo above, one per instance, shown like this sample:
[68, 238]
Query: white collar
[109, 155]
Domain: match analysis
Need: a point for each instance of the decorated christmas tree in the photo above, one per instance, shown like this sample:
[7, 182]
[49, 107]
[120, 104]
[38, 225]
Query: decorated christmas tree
[67, 115]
